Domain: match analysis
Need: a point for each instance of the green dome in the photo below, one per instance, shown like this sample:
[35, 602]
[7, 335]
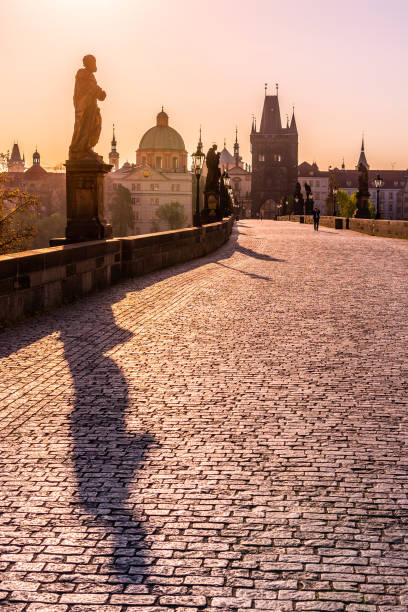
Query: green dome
[162, 138]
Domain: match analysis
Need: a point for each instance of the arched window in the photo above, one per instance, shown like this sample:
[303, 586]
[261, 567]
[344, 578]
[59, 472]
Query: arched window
[158, 163]
[175, 163]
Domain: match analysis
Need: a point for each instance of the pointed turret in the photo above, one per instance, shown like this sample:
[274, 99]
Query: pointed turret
[16, 162]
[362, 159]
[113, 141]
[114, 155]
[236, 148]
[293, 126]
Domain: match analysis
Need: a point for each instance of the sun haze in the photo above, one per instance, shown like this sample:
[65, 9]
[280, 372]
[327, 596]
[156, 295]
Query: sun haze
[340, 64]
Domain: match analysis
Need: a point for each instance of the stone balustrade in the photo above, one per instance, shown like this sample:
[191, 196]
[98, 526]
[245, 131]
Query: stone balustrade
[35, 281]
[385, 228]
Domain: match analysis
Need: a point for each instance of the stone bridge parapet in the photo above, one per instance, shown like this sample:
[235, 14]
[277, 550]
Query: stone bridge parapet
[386, 228]
[35, 281]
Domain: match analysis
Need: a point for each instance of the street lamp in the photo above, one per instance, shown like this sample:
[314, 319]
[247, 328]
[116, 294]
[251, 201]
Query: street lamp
[198, 161]
[334, 201]
[378, 182]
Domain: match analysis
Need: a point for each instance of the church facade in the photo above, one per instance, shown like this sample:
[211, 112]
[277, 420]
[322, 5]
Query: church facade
[159, 177]
[274, 158]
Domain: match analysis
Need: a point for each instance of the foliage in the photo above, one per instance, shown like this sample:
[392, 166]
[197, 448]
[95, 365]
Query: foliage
[346, 205]
[371, 210]
[4, 157]
[52, 226]
[123, 217]
[172, 215]
[17, 209]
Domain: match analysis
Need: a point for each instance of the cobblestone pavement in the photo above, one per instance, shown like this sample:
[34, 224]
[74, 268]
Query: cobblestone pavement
[227, 434]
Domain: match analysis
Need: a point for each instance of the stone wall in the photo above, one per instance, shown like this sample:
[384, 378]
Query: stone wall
[35, 281]
[375, 227]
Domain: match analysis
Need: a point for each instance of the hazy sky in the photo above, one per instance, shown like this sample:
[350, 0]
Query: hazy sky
[343, 65]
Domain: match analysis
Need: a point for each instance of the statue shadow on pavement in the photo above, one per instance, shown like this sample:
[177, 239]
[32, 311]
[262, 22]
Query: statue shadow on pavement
[106, 456]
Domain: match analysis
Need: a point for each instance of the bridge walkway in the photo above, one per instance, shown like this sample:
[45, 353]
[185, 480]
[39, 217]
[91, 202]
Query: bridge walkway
[230, 433]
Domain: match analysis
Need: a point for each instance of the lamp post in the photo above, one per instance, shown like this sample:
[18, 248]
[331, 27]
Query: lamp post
[334, 201]
[198, 161]
[378, 182]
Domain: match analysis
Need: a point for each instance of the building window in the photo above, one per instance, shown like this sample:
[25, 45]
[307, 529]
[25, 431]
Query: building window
[133, 187]
[138, 187]
[277, 158]
[391, 195]
[158, 162]
[175, 163]
[133, 200]
[261, 157]
[137, 215]
[154, 187]
[317, 183]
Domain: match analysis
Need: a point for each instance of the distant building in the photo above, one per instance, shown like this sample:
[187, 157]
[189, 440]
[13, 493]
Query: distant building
[274, 158]
[16, 163]
[47, 187]
[160, 176]
[392, 194]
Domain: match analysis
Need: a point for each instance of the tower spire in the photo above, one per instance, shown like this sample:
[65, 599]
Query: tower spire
[113, 142]
[293, 126]
[362, 159]
[236, 148]
[114, 155]
[277, 88]
[266, 88]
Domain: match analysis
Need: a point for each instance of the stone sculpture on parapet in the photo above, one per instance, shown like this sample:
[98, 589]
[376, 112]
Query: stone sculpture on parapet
[88, 121]
[212, 186]
[85, 168]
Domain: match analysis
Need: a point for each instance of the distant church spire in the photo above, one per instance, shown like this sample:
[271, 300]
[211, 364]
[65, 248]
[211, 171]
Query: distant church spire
[113, 142]
[114, 155]
[362, 159]
[236, 148]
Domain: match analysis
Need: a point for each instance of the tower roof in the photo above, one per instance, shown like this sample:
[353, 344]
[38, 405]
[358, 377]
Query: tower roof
[293, 126]
[113, 142]
[271, 119]
[15, 153]
[226, 157]
[362, 159]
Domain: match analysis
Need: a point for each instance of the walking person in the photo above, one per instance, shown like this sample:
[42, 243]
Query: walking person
[316, 218]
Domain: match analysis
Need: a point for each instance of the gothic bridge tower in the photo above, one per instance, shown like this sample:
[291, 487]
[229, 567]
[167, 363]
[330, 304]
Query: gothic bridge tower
[274, 156]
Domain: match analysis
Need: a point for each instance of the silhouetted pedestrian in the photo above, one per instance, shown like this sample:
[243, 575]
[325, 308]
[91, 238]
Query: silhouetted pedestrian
[316, 218]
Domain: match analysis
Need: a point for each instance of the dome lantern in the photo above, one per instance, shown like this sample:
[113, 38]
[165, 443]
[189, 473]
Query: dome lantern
[162, 119]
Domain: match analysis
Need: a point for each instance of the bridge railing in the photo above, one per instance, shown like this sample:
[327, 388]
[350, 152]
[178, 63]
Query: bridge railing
[35, 281]
[386, 228]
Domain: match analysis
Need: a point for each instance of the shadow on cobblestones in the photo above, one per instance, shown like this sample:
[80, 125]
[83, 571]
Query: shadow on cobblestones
[251, 253]
[106, 455]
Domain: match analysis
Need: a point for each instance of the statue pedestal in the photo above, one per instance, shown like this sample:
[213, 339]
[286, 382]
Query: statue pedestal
[85, 218]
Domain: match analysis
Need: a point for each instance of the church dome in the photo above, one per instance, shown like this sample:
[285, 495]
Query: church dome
[162, 137]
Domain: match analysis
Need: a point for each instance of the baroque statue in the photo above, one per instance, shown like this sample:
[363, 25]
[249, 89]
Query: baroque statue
[213, 176]
[88, 122]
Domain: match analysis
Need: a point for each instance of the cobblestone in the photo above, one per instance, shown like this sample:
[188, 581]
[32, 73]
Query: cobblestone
[227, 434]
